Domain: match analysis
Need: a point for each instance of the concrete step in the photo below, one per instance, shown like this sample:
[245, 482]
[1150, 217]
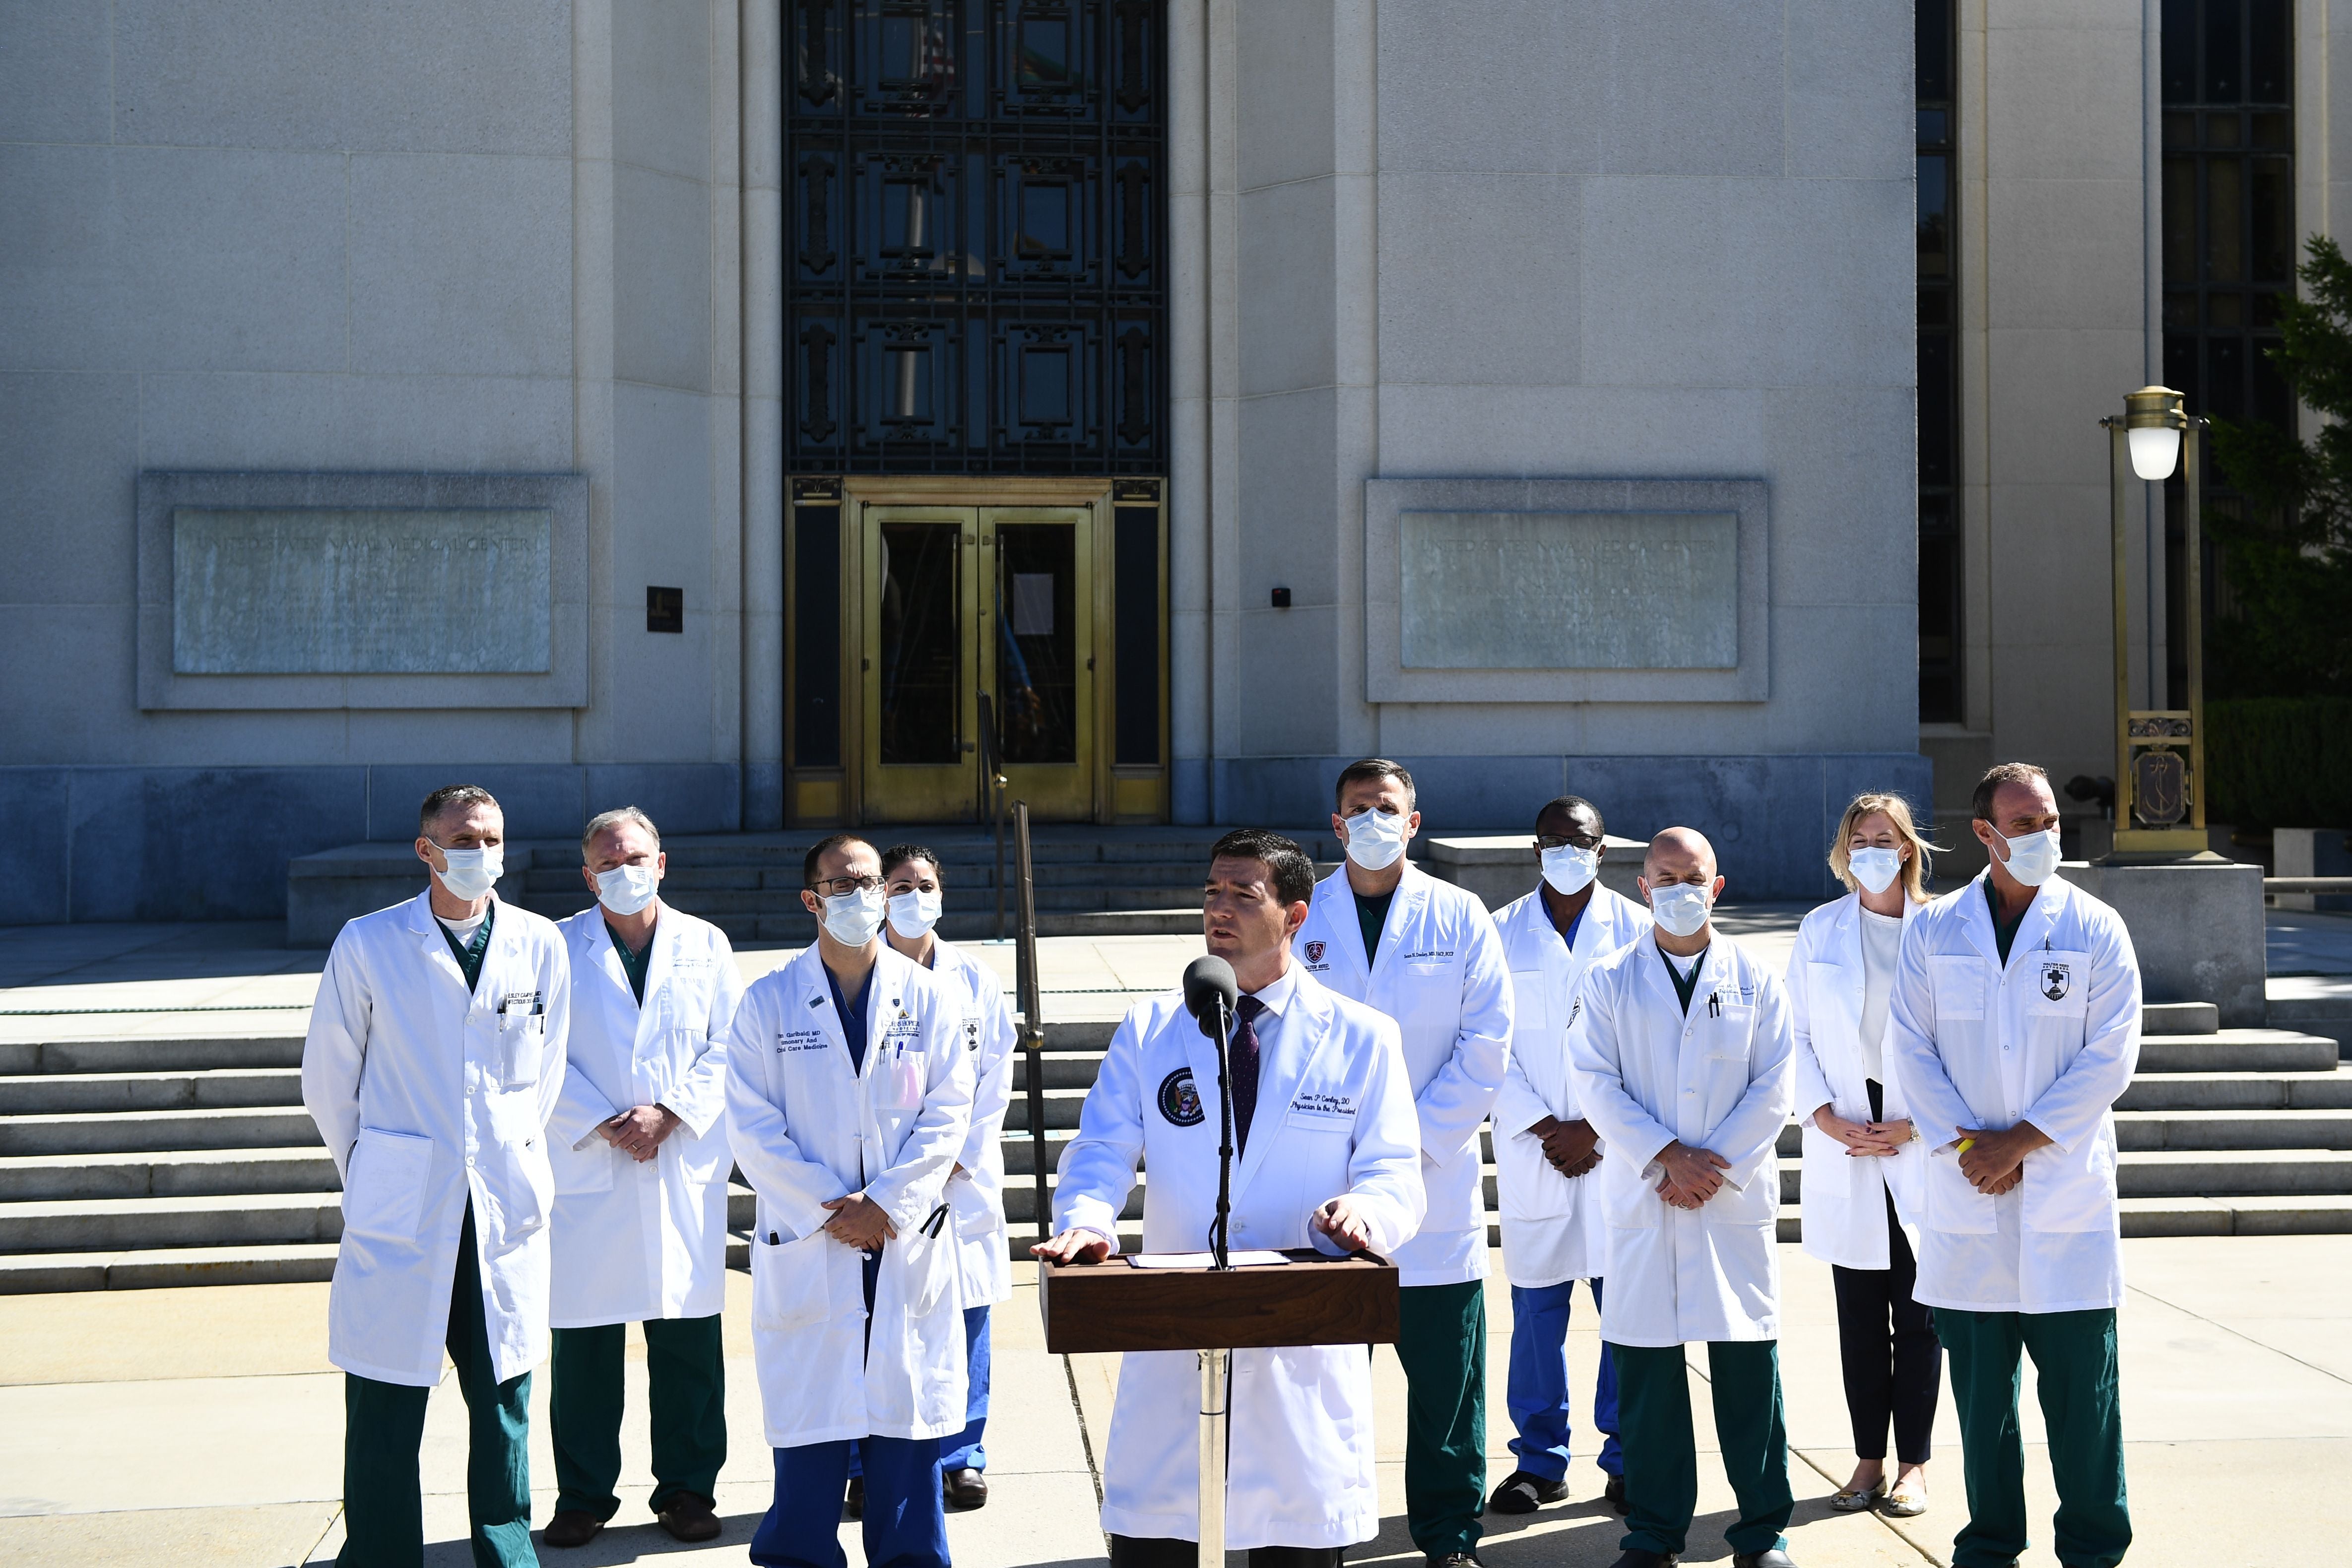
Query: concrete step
[148, 1131]
[2327, 1090]
[133, 1055]
[2178, 1018]
[2138, 1132]
[2235, 1172]
[164, 1268]
[198, 1173]
[2237, 1050]
[51, 1093]
[2294, 1214]
[115, 1225]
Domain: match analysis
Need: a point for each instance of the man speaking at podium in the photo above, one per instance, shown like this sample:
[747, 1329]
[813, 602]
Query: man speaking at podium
[1328, 1155]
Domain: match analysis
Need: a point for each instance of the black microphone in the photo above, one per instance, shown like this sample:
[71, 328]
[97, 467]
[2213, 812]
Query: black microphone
[1208, 987]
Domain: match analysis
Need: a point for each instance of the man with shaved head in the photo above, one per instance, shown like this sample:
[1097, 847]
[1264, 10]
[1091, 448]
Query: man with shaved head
[1681, 1048]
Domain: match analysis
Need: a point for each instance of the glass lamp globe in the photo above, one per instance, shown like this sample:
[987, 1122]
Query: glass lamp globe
[2155, 451]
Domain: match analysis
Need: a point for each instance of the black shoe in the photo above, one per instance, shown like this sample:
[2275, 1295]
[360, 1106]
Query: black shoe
[1614, 1495]
[690, 1517]
[1770, 1557]
[964, 1488]
[1523, 1493]
[853, 1507]
[571, 1527]
[1636, 1557]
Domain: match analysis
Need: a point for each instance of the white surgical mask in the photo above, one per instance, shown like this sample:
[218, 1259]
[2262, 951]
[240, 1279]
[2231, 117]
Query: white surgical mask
[914, 912]
[852, 918]
[625, 889]
[1375, 838]
[2033, 857]
[472, 872]
[1680, 907]
[1876, 868]
[1569, 869]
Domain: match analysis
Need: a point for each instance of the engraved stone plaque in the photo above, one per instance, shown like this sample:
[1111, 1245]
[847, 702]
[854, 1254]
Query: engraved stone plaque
[1570, 590]
[360, 591]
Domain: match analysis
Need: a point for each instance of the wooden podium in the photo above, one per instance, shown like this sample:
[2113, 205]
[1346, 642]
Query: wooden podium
[1310, 1298]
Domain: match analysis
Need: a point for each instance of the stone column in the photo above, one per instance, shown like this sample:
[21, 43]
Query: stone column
[763, 426]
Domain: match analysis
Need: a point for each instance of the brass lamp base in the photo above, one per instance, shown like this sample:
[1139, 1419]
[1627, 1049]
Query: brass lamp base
[2160, 841]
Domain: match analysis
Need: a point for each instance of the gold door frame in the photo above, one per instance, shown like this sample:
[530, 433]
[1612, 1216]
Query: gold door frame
[860, 492]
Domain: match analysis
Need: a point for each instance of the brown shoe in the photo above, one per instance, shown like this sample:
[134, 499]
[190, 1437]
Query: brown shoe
[690, 1516]
[965, 1489]
[571, 1527]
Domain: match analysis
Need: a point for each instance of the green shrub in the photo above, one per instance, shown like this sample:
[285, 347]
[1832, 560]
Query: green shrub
[2279, 762]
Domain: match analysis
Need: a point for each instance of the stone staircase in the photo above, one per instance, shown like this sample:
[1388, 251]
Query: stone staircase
[142, 1163]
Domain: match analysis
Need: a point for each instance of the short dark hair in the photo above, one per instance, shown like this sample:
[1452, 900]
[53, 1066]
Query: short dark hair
[450, 797]
[817, 852]
[899, 854]
[1374, 768]
[1999, 774]
[1286, 865]
[1571, 804]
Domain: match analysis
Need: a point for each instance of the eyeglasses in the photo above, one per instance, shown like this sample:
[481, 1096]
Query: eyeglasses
[1578, 840]
[840, 885]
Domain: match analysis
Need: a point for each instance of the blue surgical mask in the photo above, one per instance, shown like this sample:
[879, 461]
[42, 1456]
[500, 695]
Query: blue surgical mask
[1680, 908]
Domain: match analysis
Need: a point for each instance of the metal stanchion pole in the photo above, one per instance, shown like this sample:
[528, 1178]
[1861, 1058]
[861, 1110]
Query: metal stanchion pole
[1216, 1382]
[1032, 1022]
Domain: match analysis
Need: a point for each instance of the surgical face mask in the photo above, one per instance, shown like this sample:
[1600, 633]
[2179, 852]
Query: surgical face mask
[914, 912]
[1876, 868]
[472, 872]
[852, 918]
[2033, 857]
[1375, 838]
[625, 889]
[1569, 869]
[1680, 907]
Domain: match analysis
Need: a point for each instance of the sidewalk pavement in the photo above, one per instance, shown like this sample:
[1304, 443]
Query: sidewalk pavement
[204, 1427]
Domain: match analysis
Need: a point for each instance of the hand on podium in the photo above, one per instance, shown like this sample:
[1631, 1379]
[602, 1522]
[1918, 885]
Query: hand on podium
[1073, 1247]
[1342, 1219]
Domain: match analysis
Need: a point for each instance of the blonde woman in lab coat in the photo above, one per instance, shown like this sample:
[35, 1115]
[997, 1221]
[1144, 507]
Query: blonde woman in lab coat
[1862, 1160]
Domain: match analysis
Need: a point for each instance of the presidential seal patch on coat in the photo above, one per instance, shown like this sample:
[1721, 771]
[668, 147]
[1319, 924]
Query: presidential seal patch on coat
[2057, 979]
[1313, 952]
[1179, 1101]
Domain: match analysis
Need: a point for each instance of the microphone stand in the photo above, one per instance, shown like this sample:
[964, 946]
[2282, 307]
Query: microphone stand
[1216, 1366]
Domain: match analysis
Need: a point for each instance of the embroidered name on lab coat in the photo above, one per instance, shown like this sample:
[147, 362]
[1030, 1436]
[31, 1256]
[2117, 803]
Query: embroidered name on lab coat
[1431, 955]
[800, 1040]
[1317, 1106]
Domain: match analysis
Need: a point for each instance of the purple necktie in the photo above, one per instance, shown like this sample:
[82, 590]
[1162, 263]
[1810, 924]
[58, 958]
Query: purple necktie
[1244, 1066]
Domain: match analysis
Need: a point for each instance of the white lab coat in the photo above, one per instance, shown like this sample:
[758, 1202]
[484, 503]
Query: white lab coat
[2051, 1039]
[1648, 1076]
[1441, 974]
[634, 1241]
[1844, 1196]
[807, 1130]
[1334, 1116]
[1552, 1226]
[429, 1098]
[976, 1197]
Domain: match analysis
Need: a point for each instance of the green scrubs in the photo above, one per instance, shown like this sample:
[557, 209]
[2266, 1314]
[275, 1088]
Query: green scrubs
[383, 1428]
[685, 1399]
[2075, 1378]
[1653, 1424]
[1441, 1343]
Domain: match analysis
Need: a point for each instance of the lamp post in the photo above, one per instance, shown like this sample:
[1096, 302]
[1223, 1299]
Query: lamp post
[2159, 752]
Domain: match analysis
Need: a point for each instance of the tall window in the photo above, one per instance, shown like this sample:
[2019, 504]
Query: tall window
[2228, 232]
[1939, 432]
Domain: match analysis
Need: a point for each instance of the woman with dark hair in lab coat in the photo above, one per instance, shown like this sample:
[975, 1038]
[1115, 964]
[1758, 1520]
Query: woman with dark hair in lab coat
[1862, 1159]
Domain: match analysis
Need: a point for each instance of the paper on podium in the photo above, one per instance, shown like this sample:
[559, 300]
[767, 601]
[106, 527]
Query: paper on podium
[1200, 1259]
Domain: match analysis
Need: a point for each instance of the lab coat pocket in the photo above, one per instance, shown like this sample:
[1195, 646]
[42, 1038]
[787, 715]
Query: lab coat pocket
[383, 1189]
[1954, 1204]
[522, 1042]
[2070, 1192]
[1832, 1179]
[1630, 1197]
[791, 1281]
[931, 1269]
[1959, 981]
[1528, 1185]
[586, 1169]
[2061, 983]
[898, 1082]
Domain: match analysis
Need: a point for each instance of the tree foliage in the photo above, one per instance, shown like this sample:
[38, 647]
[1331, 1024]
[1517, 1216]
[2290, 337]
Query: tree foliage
[2288, 556]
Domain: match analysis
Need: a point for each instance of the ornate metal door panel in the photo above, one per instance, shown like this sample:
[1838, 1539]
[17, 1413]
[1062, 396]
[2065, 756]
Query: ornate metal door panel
[975, 224]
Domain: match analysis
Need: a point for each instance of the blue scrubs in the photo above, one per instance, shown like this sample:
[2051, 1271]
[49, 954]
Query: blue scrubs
[963, 1451]
[1538, 1390]
[906, 1523]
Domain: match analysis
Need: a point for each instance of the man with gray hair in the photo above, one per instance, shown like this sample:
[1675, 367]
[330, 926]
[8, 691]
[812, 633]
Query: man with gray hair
[639, 1147]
